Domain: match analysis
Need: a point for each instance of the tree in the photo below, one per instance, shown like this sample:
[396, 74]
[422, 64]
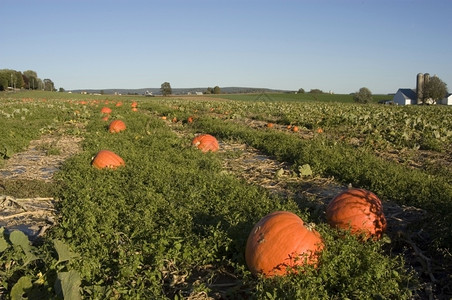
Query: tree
[165, 88]
[363, 96]
[48, 85]
[300, 91]
[217, 90]
[31, 79]
[4, 80]
[316, 91]
[434, 89]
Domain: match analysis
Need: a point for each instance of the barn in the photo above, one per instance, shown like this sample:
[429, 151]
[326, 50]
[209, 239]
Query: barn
[447, 100]
[405, 97]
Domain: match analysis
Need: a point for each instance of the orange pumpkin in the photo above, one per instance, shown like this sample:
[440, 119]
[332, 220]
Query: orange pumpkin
[190, 119]
[206, 142]
[319, 130]
[105, 118]
[358, 210]
[105, 110]
[134, 104]
[295, 129]
[107, 159]
[118, 104]
[279, 242]
[116, 126]
[270, 125]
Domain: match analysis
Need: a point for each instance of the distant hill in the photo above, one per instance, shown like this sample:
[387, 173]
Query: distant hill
[179, 91]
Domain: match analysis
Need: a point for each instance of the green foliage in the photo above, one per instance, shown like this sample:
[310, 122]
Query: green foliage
[172, 223]
[165, 89]
[434, 89]
[363, 96]
[350, 165]
[33, 271]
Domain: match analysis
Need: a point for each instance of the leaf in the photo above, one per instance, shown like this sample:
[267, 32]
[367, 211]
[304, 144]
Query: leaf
[19, 238]
[20, 288]
[305, 170]
[3, 242]
[68, 285]
[64, 253]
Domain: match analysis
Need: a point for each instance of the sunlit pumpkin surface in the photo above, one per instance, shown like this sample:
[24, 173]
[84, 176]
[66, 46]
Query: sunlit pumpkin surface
[281, 240]
[116, 126]
[206, 142]
[107, 159]
[358, 210]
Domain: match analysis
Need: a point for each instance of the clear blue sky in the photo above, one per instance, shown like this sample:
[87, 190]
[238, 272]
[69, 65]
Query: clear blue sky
[340, 45]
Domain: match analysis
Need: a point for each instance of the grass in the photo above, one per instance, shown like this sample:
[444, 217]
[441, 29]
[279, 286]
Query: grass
[172, 224]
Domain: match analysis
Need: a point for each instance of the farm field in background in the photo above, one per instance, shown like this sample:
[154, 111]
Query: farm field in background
[306, 97]
[173, 222]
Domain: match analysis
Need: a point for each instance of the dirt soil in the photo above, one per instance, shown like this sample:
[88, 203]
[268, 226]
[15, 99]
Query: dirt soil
[35, 214]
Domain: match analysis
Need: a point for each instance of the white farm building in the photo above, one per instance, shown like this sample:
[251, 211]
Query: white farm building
[411, 96]
[447, 100]
[405, 97]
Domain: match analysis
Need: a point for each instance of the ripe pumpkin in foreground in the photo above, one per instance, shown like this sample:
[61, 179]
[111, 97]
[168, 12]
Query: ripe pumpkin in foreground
[116, 126]
[358, 210]
[107, 159]
[206, 142]
[279, 241]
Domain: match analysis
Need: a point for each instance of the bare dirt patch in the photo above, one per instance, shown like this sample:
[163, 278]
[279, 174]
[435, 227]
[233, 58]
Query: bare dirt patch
[31, 173]
[38, 162]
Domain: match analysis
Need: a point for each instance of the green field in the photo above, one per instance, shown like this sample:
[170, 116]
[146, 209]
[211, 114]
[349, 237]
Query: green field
[173, 222]
[313, 97]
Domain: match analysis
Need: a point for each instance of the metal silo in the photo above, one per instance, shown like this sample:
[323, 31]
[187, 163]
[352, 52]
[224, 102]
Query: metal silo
[419, 87]
[426, 78]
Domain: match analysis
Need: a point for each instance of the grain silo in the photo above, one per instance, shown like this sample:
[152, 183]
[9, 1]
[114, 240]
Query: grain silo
[420, 86]
[426, 79]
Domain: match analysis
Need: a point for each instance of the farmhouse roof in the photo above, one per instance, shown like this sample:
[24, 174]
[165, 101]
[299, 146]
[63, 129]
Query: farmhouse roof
[409, 93]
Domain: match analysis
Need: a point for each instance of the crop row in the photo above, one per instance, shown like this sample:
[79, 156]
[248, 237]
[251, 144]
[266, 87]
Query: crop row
[172, 224]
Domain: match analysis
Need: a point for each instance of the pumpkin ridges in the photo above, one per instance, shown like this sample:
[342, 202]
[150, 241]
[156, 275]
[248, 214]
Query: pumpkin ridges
[206, 142]
[358, 210]
[107, 159]
[274, 235]
[116, 126]
[286, 243]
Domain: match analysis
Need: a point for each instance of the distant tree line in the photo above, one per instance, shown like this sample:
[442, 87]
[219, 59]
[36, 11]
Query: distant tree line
[215, 90]
[12, 79]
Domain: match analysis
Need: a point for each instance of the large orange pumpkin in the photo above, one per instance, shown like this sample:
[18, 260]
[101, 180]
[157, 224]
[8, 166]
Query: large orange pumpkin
[107, 159]
[206, 142]
[358, 210]
[280, 241]
[105, 110]
[116, 126]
